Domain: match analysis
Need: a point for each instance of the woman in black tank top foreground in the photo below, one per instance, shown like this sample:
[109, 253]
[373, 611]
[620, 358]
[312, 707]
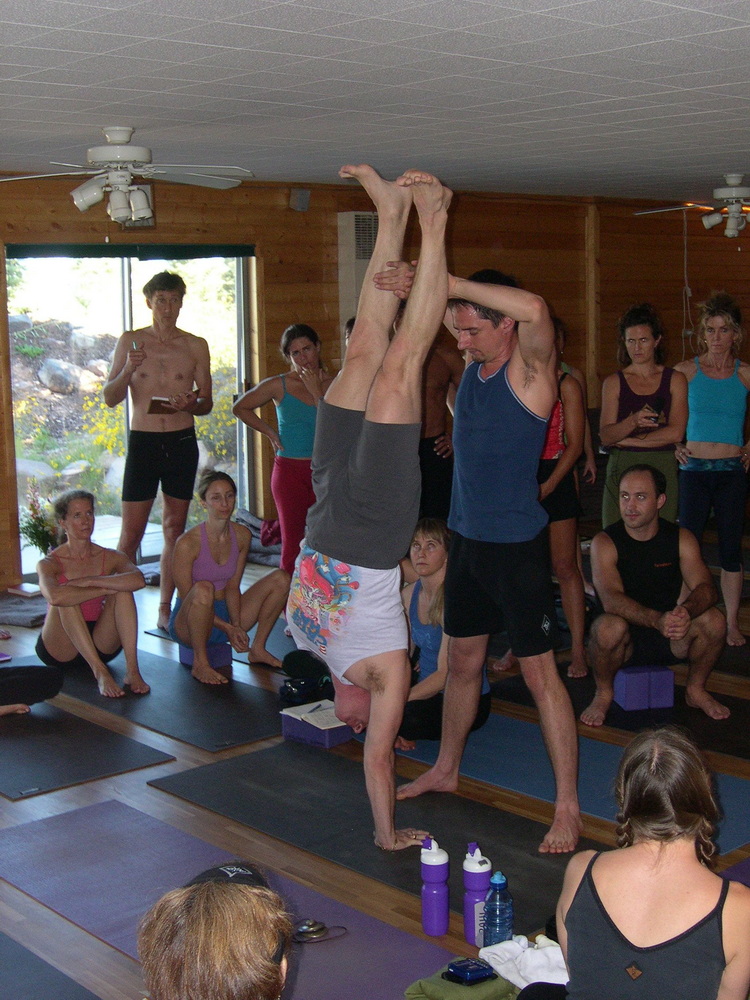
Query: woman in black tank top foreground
[651, 920]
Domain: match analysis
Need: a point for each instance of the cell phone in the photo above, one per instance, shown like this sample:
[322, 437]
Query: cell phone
[469, 971]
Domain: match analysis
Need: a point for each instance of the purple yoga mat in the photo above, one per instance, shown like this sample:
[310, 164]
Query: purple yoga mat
[104, 865]
[739, 872]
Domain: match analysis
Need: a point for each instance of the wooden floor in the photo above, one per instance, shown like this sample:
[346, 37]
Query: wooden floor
[111, 975]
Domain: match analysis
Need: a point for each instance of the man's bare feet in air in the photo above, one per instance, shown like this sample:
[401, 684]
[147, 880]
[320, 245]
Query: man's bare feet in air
[430, 781]
[405, 745]
[430, 196]
[261, 656]
[734, 636]
[387, 196]
[207, 675]
[563, 835]
[14, 709]
[698, 697]
[108, 686]
[596, 713]
[135, 682]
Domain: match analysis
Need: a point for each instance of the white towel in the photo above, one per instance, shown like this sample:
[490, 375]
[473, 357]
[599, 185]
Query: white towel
[522, 964]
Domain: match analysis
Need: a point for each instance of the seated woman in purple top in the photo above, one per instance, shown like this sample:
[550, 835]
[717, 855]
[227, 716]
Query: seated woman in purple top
[208, 564]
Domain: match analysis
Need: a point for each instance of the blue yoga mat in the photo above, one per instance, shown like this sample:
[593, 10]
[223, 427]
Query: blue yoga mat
[510, 753]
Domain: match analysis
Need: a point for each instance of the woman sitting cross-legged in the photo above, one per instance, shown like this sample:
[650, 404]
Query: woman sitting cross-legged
[651, 921]
[208, 564]
[89, 590]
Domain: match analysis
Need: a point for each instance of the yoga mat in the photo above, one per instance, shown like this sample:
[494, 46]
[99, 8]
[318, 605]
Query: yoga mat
[373, 960]
[210, 716]
[278, 644]
[727, 736]
[49, 749]
[25, 976]
[316, 800]
[492, 755]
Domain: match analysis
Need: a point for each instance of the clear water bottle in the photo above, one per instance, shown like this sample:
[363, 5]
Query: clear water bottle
[498, 911]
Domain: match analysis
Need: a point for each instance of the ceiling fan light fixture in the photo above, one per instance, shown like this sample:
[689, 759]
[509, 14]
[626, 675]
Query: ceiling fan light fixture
[118, 208]
[712, 219]
[91, 192]
[140, 206]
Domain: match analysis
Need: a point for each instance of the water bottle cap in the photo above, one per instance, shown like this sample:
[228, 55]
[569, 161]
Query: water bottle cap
[432, 853]
[474, 860]
[499, 879]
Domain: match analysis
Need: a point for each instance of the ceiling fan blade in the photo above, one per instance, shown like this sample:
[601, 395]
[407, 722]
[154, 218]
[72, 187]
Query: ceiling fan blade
[35, 177]
[198, 180]
[211, 168]
[655, 211]
[76, 166]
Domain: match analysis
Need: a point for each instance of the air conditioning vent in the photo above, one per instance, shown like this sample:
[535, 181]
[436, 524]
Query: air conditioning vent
[357, 233]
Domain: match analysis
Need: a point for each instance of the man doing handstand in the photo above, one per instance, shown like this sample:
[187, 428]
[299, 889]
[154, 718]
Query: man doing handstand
[344, 604]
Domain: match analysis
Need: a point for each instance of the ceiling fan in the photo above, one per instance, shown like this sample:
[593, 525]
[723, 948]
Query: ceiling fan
[112, 167]
[733, 201]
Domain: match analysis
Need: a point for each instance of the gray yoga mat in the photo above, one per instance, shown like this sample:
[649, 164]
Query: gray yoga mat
[316, 800]
[210, 716]
[373, 960]
[25, 976]
[49, 749]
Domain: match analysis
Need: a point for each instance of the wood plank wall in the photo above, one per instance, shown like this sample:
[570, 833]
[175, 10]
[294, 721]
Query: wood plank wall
[590, 259]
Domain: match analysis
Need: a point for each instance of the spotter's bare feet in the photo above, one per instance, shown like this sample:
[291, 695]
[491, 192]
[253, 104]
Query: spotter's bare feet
[207, 675]
[562, 836]
[136, 683]
[596, 713]
[734, 636]
[387, 196]
[108, 686]
[14, 709]
[430, 196]
[700, 698]
[430, 781]
[261, 656]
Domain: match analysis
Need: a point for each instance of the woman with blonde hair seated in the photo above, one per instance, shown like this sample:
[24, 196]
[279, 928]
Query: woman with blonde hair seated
[651, 920]
[224, 936]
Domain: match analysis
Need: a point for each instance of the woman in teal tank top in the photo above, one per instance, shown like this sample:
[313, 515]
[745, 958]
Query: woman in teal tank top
[295, 396]
[714, 461]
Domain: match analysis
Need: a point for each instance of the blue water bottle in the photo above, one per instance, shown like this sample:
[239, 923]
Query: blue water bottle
[477, 871]
[435, 907]
[498, 911]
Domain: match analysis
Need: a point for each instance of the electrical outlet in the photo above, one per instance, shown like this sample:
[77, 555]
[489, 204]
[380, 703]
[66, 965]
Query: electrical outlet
[687, 333]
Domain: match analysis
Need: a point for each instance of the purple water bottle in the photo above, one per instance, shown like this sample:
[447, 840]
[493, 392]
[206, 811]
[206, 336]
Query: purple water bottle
[435, 908]
[477, 872]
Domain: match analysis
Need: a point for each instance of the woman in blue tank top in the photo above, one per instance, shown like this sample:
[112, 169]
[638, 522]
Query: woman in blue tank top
[644, 410]
[295, 396]
[423, 603]
[714, 462]
[651, 921]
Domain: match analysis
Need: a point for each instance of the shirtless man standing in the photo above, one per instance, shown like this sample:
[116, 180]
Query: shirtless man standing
[165, 362]
[344, 603]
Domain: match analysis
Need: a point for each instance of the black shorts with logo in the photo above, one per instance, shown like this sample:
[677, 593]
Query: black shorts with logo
[491, 586]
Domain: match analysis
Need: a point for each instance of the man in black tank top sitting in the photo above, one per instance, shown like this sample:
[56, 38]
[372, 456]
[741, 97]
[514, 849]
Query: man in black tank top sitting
[658, 597]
